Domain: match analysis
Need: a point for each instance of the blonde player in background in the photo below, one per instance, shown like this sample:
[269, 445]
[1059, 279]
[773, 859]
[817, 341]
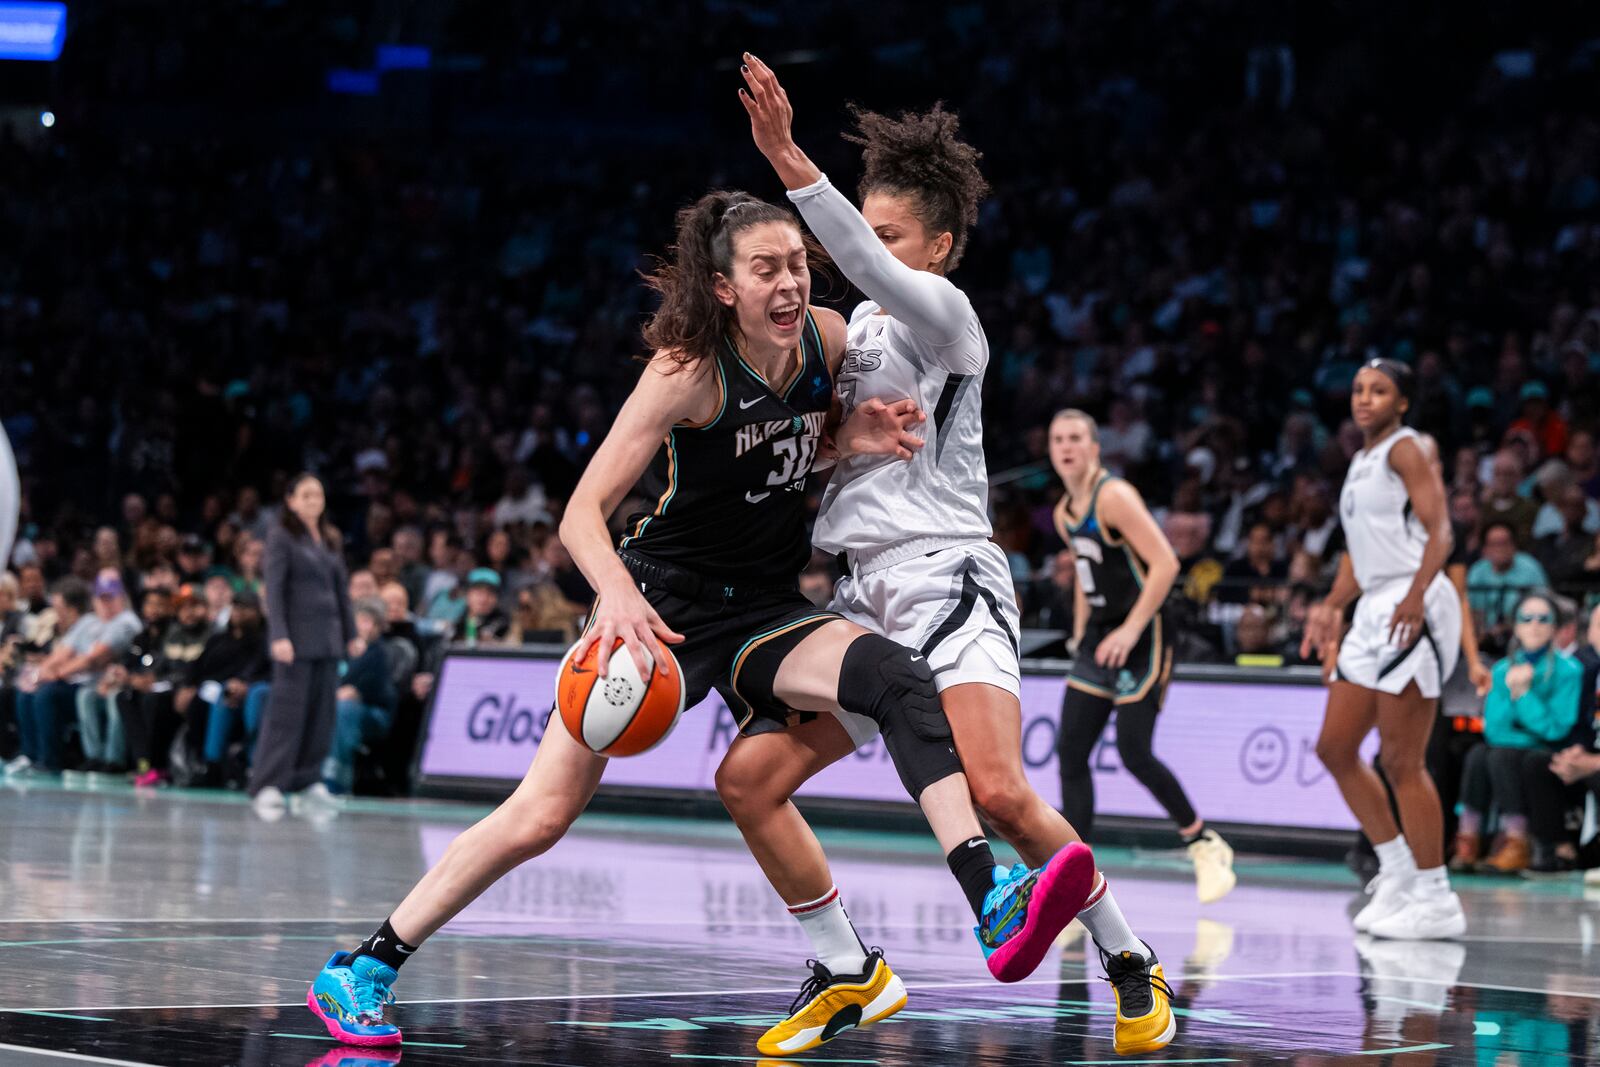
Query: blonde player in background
[1123, 661]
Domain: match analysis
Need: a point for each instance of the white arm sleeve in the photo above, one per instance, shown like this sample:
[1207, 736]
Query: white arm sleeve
[932, 308]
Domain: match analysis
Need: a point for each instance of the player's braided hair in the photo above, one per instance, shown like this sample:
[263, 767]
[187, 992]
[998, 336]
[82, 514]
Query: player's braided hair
[921, 155]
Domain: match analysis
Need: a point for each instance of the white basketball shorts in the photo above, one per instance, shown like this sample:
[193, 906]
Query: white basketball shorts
[956, 606]
[1370, 658]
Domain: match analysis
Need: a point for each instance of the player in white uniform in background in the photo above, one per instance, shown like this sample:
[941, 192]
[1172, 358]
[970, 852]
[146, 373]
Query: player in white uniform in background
[916, 535]
[10, 499]
[1391, 666]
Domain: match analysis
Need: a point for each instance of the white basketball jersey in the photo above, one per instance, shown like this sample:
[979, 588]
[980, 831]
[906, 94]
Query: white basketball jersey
[875, 502]
[1385, 538]
[10, 499]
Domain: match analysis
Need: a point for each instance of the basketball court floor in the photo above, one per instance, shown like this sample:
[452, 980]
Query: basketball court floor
[176, 928]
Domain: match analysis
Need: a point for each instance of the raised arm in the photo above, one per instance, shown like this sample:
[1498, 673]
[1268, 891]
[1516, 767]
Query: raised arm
[928, 304]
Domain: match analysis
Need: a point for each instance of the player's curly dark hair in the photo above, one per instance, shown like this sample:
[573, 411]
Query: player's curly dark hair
[921, 155]
[691, 321]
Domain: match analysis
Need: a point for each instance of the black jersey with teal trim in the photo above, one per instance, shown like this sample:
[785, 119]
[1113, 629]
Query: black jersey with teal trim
[730, 500]
[1111, 573]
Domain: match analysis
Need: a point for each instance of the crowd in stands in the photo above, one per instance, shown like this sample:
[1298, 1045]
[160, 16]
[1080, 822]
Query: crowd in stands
[1235, 210]
[161, 672]
[1526, 767]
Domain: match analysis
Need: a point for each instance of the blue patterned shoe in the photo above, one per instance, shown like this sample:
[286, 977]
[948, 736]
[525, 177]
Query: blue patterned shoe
[1026, 909]
[352, 998]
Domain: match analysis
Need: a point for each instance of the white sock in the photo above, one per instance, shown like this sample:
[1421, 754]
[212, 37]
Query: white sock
[833, 938]
[1394, 857]
[1104, 921]
[1433, 882]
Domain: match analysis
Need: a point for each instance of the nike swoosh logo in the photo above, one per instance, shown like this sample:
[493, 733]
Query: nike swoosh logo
[976, 844]
[756, 498]
[916, 659]
[575, 669]
[746, 407]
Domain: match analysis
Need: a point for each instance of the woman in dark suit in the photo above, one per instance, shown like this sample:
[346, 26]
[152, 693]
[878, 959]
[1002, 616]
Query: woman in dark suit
[310, 626]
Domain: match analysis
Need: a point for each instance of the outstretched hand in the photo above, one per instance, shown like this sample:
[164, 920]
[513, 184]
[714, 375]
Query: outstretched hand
[876, 428]
[768, 105]
[770, 120]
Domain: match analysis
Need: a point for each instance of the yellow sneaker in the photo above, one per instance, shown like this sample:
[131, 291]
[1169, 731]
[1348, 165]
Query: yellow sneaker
[1213, 867]
[1144, 1002]
[828, 1005]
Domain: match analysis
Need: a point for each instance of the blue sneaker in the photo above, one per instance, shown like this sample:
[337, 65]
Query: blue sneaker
[1005, 907]
[352, 999]
[1026, 909]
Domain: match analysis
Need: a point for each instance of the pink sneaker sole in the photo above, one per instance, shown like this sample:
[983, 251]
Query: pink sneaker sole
[341, 1034]
[1063, 886]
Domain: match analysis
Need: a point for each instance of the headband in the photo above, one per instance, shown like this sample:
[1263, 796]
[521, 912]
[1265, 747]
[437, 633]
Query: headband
[1389, 369]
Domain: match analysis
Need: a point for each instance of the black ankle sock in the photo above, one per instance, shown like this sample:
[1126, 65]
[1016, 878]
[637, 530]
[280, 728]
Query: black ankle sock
[385, 947]
[972, 862]
[1189, 839]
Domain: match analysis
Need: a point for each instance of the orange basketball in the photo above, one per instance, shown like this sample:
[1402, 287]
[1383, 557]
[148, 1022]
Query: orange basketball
[620, 714]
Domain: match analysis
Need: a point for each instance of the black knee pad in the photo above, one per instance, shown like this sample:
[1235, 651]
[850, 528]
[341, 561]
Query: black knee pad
[890, 684]
[893, 686]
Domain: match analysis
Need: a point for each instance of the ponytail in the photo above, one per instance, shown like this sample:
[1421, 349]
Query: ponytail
[691, 321]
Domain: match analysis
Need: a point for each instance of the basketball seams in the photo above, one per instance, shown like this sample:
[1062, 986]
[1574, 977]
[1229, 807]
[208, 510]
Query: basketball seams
[576, 694]
[638, 706]
[647, 718]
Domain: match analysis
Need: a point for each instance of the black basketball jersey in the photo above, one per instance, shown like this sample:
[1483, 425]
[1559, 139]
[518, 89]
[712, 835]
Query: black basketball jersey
[1110, 572]
[730, 493]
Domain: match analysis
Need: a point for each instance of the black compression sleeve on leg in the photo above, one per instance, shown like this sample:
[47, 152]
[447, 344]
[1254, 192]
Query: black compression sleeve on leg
[1083, 722]
[892, 686]
[1136, 727]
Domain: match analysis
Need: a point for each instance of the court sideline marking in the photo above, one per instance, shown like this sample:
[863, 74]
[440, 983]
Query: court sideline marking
[981, 983]
[467, 924]
[78, 1056]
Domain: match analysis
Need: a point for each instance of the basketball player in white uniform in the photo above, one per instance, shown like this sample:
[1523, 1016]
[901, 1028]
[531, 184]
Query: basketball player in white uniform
[922, 570]
[10, 499]
[1392, 664]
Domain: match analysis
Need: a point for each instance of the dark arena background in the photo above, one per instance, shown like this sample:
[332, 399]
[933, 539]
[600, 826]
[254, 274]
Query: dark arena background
[398, 244]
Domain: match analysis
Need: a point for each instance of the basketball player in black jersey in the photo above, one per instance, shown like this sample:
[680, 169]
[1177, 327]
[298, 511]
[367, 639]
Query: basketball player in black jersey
[730, 411]
[1123, 656]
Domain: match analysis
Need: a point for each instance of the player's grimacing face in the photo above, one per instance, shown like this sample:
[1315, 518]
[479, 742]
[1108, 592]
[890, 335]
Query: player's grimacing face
[1072, 447]
[770, 285]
